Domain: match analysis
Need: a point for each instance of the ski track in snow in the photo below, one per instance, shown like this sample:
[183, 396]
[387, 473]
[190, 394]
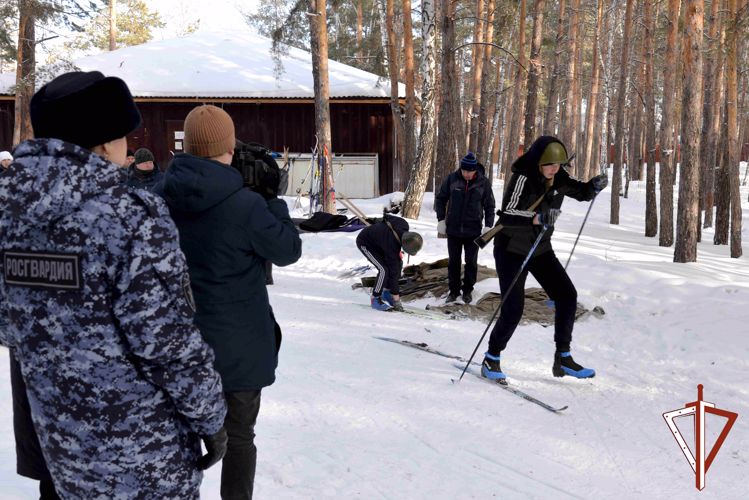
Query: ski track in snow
[351, 416]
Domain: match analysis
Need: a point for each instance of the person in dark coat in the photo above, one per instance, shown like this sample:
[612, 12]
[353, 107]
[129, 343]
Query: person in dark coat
[464, 205]
[144, 173]
[228, 233]
[538, 174]
[30, 461]
[120, 384]
[381, 244]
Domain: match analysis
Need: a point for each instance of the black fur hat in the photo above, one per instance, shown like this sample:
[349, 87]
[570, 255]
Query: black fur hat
[84, 108]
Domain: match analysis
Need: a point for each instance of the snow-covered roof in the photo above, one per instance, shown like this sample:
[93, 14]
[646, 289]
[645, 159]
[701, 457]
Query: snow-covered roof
[228, 64]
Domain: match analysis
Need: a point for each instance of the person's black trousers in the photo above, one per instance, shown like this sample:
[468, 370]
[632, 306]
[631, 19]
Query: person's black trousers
[552, 277]
[455, 248]
[378, 260]
[29, 459]
[238, 465]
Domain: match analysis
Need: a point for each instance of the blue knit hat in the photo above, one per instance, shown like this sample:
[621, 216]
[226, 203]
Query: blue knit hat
[469, 162]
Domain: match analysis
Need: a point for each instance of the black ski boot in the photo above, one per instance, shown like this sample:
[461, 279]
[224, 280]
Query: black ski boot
[451, 297]
[565, 365]
[467, 297]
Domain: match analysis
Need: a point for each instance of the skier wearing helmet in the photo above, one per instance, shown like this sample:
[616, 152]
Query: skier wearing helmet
[532, 202]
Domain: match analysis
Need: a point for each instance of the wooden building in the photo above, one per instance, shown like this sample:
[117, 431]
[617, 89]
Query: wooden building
[234, 70]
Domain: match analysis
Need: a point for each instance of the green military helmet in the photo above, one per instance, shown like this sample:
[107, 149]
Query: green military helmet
[555, 152]
[411, 242]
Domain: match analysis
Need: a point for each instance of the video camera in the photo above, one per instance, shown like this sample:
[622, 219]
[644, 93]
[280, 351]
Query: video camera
[256, 164]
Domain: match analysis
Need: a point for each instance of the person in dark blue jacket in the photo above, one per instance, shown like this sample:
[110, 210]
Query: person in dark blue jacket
[228, 233]
[381, 244]
[144, 173]
[464, 205]
[537, 175]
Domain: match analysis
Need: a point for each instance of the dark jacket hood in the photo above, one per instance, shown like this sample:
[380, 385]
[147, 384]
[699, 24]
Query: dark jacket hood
[194, 184]
[527, 163]
[50, 179]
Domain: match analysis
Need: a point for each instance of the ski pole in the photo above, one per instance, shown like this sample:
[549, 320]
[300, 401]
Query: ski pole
[502, 300]
[580, 231]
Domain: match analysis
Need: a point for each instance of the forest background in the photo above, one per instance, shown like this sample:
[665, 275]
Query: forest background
[654, 90]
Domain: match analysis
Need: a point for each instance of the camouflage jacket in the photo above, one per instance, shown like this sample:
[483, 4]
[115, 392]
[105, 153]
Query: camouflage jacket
[95, 299]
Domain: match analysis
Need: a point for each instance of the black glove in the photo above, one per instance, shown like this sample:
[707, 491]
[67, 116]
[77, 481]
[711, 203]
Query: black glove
[599, 182]
[549, 216]
[215, 447]
[267, 179]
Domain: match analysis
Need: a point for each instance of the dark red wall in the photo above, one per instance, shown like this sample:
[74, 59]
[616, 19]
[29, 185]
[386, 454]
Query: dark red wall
[355, 128]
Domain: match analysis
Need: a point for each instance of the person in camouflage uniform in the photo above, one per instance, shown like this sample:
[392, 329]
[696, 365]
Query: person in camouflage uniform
[95, 299]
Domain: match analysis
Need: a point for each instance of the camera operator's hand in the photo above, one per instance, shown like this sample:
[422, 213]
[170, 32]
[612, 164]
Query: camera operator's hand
[267, 182]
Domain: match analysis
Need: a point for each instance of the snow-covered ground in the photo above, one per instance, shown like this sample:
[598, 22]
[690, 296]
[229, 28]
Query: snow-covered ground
[354, 417]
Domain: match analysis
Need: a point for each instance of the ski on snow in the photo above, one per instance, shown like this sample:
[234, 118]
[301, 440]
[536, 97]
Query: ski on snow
[474, 371]
[424, 313]
[511, 389]
[425, 347]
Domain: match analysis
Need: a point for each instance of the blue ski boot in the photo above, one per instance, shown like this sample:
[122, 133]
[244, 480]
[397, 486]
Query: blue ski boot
[379, 304]
[387, 296]
[565, 365]
[490, 368]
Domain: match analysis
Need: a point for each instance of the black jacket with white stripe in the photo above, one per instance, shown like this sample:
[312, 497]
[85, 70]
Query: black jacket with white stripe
[383, 246]
[525, 187]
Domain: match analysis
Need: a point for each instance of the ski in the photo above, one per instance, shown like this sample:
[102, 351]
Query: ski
[512, 390]
[422, 313]
[355, 271]
[422, 346]
[425, 347]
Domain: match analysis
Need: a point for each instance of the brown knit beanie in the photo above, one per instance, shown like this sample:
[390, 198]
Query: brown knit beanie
[209, 131]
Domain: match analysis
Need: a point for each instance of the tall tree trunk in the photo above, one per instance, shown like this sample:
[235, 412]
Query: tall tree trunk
[732, 137]
[534, 72]
[319, 45]
[423, 164]
[408, 55]
[710, 110]
[359, 28]
[589, 156]
[567, 131]
[112, 25]
[590, 118]
[400, 167]
[516, 126]
[447, 156]
[722, 179]
[550, 116]
[687, 222]
[25, 71]
[612, 19]
[636, 101]
[476, 72]
[486, 85]
[616, 182]
[488, 159]
[669, 148]
[578, 91]
[651, 209]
